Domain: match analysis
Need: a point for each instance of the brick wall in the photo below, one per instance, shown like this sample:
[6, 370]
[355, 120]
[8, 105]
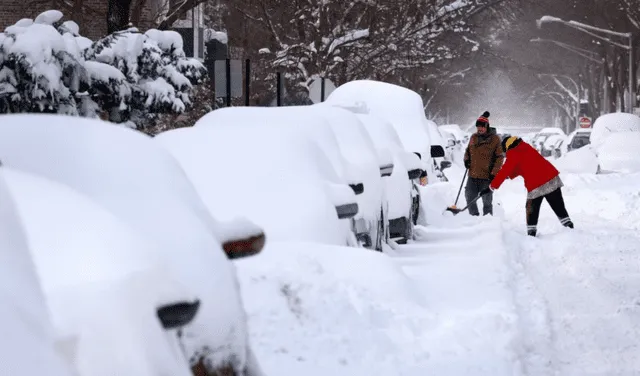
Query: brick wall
[92, 20]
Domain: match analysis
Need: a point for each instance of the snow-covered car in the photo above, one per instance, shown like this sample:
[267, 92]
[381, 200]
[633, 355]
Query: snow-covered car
[28, 345]
[372, 163]
[542, 136]
[437, 141]
[113, 302]
[612, 123]
[550, 144]
[269, 172]
[401, 107]
[454, 130]
[332, 130]
[618, 152]
[143, 185]
[577, 139]
[402, 185]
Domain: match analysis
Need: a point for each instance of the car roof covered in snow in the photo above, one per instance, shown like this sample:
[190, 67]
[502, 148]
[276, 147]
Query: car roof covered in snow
[612, 123]
[275, 178]
[297, 118]
[402, 107]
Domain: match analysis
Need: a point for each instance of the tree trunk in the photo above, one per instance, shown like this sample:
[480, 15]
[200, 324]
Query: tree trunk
[118, 14]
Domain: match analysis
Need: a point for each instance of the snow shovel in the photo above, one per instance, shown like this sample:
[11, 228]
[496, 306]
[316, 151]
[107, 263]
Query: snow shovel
[454, 206]
[456, 210]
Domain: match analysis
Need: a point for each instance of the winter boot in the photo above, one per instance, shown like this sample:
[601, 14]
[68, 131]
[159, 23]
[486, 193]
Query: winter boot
[566, 222]
[531, 230]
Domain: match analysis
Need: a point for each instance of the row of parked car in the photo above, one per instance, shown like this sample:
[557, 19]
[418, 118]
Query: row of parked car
[118, 247]
[553, 142]
[609, 146]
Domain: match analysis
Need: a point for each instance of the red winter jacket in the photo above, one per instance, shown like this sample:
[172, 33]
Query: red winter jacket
[523, 160]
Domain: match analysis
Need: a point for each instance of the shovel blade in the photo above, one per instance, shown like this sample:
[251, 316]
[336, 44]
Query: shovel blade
[454, 210]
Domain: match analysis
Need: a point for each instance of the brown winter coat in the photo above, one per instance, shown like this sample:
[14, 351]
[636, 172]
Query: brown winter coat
[486, 155]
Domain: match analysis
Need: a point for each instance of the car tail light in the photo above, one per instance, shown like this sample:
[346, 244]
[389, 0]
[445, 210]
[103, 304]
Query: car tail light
[245, 247]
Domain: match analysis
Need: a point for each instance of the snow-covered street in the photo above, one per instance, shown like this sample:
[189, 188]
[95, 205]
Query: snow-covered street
[471, 296]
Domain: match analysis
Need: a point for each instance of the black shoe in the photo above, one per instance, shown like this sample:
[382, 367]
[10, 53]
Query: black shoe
[531, 233]
[566, 222]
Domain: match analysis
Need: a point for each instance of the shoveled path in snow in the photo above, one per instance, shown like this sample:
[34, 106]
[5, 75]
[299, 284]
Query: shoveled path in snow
[463, 270]
[589, 277]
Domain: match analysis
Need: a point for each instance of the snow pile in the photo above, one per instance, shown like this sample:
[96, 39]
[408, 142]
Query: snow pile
[311, 312]
[583, 160]
[46, 66]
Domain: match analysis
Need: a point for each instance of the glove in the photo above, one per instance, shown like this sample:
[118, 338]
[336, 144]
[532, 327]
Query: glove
[467, 164]
[486, 191]
[491, 177]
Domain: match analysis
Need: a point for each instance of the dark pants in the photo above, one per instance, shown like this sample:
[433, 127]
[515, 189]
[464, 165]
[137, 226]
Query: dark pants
[471, 191]
[556, 202]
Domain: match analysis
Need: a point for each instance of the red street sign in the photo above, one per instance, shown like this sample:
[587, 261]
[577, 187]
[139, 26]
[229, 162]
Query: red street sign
[585, 122]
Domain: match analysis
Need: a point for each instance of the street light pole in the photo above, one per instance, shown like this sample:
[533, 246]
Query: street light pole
[576, 50]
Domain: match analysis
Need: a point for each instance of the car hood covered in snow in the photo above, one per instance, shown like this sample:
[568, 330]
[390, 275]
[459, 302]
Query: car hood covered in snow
[102, 282]
[27, 344]
[142, 184]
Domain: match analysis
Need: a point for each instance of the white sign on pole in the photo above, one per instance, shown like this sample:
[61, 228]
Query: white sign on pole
[315, 89]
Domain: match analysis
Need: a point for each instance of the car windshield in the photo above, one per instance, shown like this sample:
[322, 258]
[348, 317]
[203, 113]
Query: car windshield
[580, 140]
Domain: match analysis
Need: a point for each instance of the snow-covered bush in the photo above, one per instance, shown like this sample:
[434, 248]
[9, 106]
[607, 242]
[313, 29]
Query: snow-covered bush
[128, 76]
[40, 69]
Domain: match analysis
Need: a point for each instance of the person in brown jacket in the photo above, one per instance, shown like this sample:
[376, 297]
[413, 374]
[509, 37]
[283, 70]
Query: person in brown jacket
[483, 158]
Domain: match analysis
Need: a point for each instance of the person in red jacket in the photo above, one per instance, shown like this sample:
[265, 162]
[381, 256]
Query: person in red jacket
[541, 179]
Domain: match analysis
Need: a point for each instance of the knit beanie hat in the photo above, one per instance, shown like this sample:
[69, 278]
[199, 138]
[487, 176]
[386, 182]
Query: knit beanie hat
[510, 142]
[483, 121]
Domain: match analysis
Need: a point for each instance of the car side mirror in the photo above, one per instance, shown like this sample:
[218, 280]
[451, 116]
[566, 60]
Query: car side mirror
[445, 164]
[173, 316]
[245, 246]
[415, 174]
[357, 188]
[347, 210]
[437, 151]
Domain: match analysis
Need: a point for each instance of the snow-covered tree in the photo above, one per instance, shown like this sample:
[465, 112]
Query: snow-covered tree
[128, 76]
[156, 72]
[344, 40]
[40, 69]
